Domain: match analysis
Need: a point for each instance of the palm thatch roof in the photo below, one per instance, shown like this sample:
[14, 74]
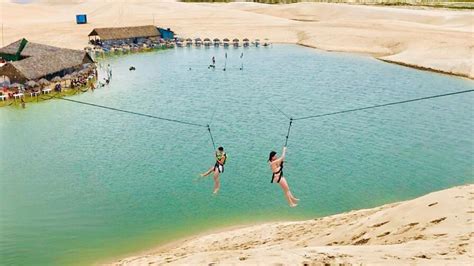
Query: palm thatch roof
[39, 60]
[15, 85]
[43, 81]
[125, 32]
[31, 83]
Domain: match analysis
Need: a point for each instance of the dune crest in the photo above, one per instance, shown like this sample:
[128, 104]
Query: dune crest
[437, 228]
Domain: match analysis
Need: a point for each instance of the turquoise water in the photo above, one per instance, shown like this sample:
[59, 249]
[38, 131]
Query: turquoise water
[81, 184]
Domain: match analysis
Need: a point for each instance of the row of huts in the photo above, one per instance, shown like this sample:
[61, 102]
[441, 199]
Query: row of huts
[180, 42]
[25, 61]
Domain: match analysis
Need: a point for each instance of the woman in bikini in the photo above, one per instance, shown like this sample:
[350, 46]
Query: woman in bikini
[276, 165]
[217, 169]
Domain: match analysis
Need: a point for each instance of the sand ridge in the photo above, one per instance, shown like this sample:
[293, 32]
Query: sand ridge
[437, 228]
[433, 39]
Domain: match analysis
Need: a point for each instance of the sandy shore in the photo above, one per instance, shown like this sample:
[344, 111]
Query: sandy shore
[436, 229]
[433, 39]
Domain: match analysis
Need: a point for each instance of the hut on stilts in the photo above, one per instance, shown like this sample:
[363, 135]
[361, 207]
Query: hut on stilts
[217, 42]
[226, 42]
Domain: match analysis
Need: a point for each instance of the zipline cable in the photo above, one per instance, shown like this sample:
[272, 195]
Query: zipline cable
[135, 113]
[279, 110]
[383, 105]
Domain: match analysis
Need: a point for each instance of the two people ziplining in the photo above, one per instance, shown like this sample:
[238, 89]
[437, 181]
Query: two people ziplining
[275, 162]
[276, 166]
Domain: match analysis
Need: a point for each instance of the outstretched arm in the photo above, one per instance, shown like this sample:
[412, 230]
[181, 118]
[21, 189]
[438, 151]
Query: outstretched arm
[282, 157]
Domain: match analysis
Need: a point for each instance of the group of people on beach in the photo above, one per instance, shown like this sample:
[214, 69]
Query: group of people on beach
[276, 166]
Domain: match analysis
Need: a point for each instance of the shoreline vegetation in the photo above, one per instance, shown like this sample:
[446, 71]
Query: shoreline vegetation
[452, 4]
[432, 229]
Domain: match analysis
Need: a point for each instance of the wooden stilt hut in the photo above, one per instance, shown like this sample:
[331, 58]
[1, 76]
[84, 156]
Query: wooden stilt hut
[207, 42]
[197, 41]
[189, 42]
[217, 42]
[235, 42]
[226, 42]
[246, 42]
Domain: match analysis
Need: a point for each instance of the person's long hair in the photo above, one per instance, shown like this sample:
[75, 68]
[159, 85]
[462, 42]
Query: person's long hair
[272, 153]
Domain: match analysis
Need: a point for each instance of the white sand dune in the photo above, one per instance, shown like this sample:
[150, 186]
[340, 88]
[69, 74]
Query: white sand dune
[436, 229]
[436, 39]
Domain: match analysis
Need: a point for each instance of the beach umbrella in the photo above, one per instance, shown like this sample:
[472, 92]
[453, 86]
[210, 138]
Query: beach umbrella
[31, 83]
[43, 82]
[246, 40]
[56, 79]
[235, 40]
[257, 40]
[207, 40]
[216, 40]
[226, 40]
[189, 40]
[197, 39]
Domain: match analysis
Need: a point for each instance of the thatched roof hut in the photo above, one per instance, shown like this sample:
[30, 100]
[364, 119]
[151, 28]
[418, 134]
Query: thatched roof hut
[44, 82]
[38, 60]
[31, 84]
[120, 33]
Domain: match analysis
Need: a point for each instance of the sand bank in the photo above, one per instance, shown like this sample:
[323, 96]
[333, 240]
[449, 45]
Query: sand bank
[435, 39]
[437, 228]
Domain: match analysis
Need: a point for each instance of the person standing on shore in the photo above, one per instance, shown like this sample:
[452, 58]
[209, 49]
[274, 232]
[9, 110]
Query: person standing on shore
[218, 168]
[276, 165]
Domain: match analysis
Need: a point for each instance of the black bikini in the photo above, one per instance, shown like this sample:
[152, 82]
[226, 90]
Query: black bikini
[278, 172]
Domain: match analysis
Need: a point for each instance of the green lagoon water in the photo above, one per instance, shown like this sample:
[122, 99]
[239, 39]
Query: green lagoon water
[80, 185]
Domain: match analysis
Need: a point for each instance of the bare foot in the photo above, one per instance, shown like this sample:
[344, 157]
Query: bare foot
[293, 205]
[215, 191]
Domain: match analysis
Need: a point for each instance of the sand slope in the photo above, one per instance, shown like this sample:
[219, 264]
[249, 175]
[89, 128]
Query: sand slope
[436, 39]
[434, 229]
